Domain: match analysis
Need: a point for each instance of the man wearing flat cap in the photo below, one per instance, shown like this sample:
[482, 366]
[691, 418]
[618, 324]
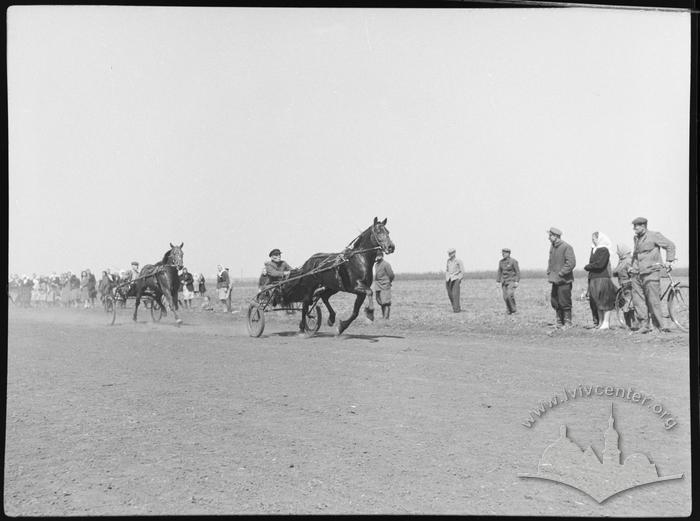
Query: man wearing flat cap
[508, 278]
[274, 270]
[647, 264]
[560, 274]
[454, 272]
[134, 273]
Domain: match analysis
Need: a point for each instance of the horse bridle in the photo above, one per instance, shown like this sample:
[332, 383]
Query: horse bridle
[376, 239]
[172, 262]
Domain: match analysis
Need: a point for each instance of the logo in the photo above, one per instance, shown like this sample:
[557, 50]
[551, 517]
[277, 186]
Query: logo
[565, 462]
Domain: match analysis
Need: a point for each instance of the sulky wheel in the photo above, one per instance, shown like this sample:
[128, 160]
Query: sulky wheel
[313, 321]
[256, 320]
[156, 311]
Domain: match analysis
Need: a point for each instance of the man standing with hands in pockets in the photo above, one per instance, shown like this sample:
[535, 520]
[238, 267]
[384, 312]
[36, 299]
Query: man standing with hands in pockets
[454, 272]
[508, 279]
[560, 274]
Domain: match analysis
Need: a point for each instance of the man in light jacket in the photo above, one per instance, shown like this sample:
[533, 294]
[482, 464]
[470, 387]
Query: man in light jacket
[647, 264]
[454, 272]
[383, 278]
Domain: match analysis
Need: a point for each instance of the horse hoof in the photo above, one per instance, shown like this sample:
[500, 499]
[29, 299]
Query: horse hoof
[178, 322]
[330, 322]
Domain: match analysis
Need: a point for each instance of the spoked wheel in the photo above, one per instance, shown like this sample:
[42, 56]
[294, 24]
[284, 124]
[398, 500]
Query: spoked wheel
[313, 321]
[679, 306]
[256, 320]
[111, 308]
[623, 304]
[156, 310]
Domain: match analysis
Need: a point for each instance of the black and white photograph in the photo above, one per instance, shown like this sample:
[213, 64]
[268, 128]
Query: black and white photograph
[349, 260]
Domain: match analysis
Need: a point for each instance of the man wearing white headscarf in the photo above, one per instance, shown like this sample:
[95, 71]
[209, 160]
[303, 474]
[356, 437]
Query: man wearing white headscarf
[601, 290]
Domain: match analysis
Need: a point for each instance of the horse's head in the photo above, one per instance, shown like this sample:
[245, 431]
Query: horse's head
[380, 235]
[175, 255]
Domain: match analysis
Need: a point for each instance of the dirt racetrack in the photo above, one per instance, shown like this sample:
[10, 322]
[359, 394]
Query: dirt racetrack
[421, 414]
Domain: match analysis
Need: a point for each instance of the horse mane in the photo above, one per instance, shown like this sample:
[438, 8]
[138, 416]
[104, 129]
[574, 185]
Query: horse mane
[353, 244]
[166, 255]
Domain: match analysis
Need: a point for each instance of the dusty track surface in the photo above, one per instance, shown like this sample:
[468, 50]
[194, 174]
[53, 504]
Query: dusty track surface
[421, 414]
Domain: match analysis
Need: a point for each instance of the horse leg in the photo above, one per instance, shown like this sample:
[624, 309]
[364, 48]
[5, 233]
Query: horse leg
[172, 304]
[304, 310]
[136, 304]
[331, 312]
[343, 324]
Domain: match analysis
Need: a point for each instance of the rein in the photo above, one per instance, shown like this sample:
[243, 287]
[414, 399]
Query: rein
[338, 260]
[155, 272]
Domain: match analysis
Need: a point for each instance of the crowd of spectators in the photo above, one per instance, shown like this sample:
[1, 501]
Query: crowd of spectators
[83, 290]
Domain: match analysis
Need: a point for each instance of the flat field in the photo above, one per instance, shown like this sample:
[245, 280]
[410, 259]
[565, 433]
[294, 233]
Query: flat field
[422, 414]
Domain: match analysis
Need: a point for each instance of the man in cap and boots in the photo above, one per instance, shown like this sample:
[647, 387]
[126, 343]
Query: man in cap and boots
[275, 270]
[646, 274]
[508, 278]
[560, 274]
[454, 272]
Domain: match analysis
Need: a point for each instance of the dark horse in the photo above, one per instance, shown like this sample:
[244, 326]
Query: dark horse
[162, 279]
[351, 272]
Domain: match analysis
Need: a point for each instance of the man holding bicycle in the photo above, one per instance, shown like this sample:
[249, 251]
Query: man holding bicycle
[646, 274]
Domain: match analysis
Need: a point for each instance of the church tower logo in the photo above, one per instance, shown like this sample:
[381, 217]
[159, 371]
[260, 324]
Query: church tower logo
[565, 462]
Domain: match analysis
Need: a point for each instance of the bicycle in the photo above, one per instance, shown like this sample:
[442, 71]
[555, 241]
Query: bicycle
[676, 294]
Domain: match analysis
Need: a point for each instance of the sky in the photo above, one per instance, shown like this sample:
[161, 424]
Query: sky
[239, 130]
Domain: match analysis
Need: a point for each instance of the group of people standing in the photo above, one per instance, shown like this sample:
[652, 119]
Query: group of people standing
[638, 271]
[67, 289]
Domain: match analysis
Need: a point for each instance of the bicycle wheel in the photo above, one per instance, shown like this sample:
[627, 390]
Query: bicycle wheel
[623, 304]
[679, 306]
[256, 320]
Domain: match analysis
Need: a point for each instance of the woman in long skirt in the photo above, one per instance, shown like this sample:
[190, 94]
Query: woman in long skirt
[601, 290]
[84, 289]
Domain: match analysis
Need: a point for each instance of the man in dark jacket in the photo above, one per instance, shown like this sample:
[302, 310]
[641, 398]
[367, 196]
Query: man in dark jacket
[274, 270]
[560, 274]
[508, 278]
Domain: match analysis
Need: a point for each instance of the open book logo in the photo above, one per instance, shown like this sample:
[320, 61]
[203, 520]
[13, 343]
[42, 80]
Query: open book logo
[565, 462]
